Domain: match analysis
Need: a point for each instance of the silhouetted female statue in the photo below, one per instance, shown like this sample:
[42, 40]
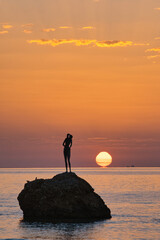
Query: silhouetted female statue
[67, 151]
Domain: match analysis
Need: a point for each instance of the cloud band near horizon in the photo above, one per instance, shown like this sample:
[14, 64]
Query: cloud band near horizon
[84, 42]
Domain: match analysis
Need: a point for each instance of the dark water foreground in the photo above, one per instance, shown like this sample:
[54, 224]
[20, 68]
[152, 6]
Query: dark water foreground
[131, 193]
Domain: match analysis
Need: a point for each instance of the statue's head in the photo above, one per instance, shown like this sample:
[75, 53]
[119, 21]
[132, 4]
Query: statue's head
[69, 135]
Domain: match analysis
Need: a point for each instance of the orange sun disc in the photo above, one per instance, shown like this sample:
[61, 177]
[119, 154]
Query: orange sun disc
[103, 159]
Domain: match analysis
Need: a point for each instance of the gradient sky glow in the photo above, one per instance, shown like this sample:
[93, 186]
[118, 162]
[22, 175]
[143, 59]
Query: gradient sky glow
[87, 67]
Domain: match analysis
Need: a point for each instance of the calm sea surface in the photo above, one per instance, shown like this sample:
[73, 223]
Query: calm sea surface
[132, 194]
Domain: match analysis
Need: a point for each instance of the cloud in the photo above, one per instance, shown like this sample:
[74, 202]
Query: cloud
[27, 25]
[87, 28]
[82, 42]
[153, 50]
[157, 38]
[65, 27]
[98, 138]
[3, 32]
[141, 44]
[125, 142]
[48, 29]
[27, 31]
[157, 9]
[153, 56]
[7, 26]
[114, 43]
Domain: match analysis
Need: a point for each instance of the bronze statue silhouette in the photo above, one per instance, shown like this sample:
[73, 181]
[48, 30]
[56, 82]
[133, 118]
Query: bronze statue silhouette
[67, 151]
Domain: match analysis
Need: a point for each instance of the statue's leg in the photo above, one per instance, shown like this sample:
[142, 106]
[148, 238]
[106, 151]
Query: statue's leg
[69, 163]
[65, 158]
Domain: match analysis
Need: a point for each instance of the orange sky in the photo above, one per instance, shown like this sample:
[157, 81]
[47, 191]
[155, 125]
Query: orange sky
[90, 68]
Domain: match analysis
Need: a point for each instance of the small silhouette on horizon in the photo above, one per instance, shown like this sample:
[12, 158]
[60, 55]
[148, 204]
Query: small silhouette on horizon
[67, 151]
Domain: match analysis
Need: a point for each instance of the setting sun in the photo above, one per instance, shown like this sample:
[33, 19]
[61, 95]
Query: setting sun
[103, 159]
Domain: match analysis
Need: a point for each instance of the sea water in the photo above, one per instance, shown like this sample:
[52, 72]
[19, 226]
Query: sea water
[132, 194]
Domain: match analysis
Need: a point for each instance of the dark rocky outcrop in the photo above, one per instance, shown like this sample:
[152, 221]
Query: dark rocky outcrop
[65, 197]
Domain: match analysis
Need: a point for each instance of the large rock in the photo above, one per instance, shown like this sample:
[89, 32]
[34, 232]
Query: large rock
[65, 197]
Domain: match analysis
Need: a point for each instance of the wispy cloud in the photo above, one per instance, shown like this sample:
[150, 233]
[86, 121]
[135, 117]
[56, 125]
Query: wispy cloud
[3, 32]
[87, 28]
[82, 42]
[153, 56]
[7, 26]
[65, 27]
[49, 30]
[98, 138]
[141, 44]
[114, 43]
[153, 50]
[125, 142]
[27, 25]
[27, 31]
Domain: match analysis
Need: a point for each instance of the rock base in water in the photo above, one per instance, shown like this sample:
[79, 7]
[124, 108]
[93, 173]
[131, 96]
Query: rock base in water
[65, 197]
